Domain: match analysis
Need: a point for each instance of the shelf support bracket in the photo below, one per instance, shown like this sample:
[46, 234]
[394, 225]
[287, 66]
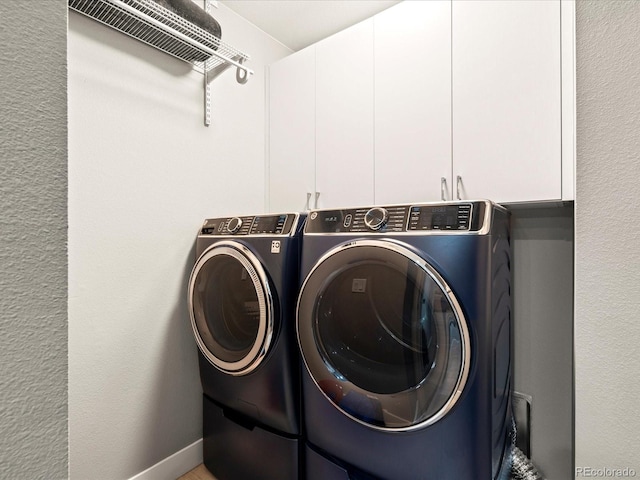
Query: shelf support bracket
[210, 74]
[207, 87]
[207, 100]
[241, 75]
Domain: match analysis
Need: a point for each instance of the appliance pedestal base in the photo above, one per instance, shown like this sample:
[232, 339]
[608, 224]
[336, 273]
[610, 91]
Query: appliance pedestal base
[233, 450]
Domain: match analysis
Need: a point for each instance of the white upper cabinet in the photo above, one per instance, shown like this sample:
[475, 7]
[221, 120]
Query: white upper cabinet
[292, 126]
[429, 100]
[507, 100]
[344, 118]
[413, 102]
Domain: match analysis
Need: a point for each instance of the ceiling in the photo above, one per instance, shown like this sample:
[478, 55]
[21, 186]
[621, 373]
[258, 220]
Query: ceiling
[299, 23]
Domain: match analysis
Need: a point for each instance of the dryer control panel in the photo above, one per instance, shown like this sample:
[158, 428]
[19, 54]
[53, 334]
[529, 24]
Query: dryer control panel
[432, 217]
[281, 224]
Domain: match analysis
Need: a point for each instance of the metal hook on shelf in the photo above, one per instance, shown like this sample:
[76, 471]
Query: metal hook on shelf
[238, 60]
[242, 74]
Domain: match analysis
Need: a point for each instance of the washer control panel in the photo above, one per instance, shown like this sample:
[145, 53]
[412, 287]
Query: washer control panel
[249, 225]
[450, 217]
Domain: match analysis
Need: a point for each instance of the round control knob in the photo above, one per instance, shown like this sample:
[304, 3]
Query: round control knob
[376, 218]
[234, 225]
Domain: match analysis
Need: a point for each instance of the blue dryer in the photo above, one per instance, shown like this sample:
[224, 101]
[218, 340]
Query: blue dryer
[404, 324]
[242, 296]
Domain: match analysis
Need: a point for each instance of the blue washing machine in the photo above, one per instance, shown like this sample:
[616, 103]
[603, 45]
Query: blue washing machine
[404, 325]
[242, 294]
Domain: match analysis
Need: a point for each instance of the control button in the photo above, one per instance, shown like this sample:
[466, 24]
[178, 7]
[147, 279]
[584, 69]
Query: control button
[376, 218]
[234, 225]
[347, 220]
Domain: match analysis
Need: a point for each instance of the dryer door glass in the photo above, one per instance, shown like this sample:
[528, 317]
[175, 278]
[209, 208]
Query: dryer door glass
[382, 335]
[231, 308]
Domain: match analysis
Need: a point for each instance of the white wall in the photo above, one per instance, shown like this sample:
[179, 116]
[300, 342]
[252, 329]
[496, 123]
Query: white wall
[143, 173]
[33, 237]
[607, 323]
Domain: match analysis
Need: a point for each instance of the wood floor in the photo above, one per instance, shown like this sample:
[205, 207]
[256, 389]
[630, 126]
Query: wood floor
[198, 473]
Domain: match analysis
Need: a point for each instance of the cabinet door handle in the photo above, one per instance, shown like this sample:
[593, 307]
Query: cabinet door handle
[306, 208]
[443, 188]
[317, 197]
[458, 185]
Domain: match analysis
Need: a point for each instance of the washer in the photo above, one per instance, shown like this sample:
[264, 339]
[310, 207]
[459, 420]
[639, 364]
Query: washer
[404, 324]
[241, 296]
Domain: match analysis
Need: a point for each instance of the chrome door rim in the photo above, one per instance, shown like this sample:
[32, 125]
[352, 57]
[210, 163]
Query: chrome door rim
[404, 250]
[260, 282]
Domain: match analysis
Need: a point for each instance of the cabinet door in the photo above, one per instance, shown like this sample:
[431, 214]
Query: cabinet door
[506, 100]
[292, 131]
[344, 117]
[413, 102]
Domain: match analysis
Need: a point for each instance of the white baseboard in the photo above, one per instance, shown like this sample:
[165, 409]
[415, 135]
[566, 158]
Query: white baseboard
[175, 465]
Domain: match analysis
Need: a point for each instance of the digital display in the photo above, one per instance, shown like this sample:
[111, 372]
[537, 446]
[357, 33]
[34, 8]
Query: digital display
[445, 217]
[271, 224]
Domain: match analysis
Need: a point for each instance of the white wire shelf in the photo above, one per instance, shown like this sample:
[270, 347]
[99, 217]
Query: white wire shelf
[155, 25]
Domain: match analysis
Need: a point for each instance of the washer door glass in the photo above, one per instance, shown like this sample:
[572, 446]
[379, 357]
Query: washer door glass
[231, 307]
[382, 335]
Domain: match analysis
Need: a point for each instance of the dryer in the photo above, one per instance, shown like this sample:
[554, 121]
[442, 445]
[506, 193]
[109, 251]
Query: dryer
[241, 296]
[404, 325]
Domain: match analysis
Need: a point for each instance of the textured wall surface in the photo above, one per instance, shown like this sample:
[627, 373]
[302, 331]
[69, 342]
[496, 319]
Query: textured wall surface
[144, 172]
[607, 232]
[33, 237]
